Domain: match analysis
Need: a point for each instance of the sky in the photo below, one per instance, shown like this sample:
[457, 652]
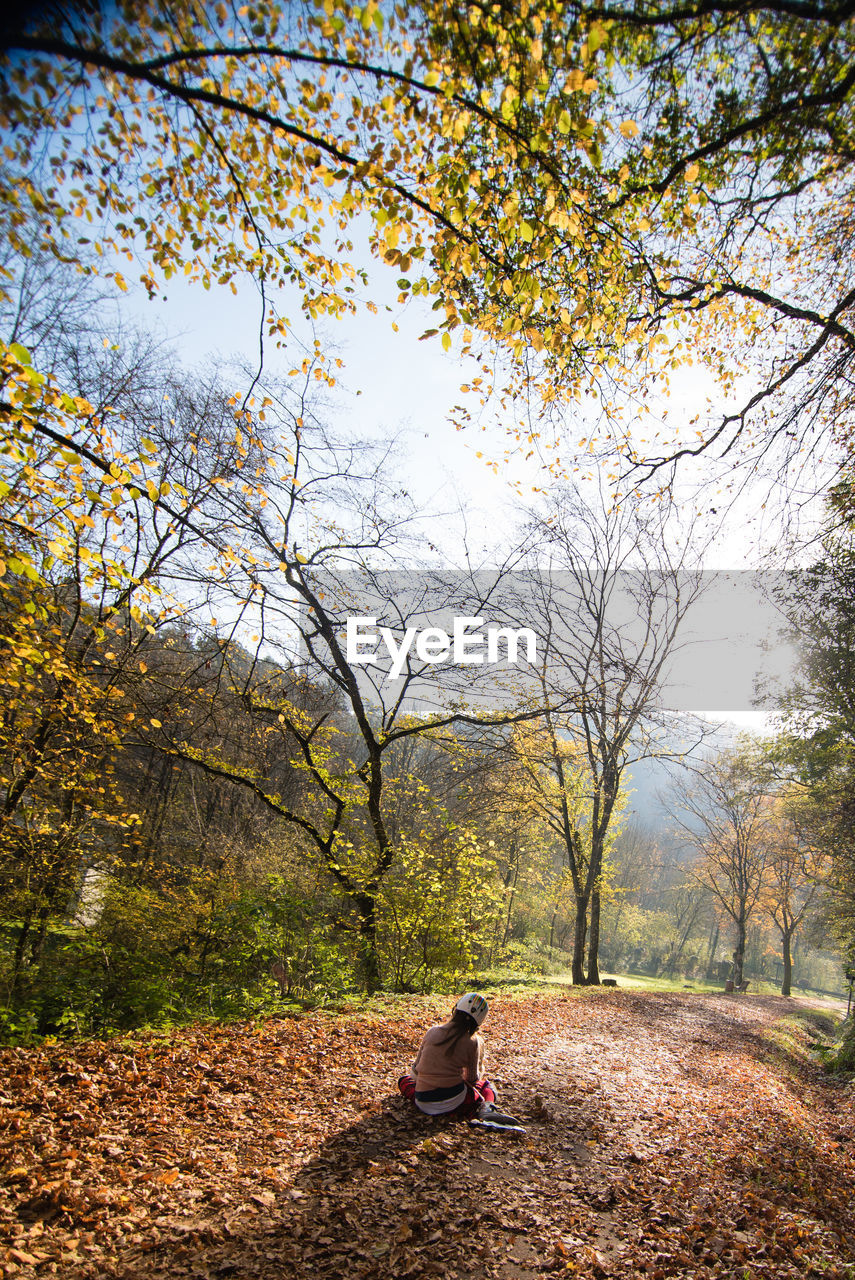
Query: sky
[395, 384]
[392, 384]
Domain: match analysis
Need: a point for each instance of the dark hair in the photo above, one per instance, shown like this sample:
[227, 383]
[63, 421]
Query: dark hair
[461, 1024]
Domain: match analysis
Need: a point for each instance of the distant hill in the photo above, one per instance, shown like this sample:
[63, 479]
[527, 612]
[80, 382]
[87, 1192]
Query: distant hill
[652, 779]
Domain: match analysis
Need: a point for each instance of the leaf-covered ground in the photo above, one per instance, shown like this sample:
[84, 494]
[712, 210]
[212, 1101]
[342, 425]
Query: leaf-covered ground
[668, 1135]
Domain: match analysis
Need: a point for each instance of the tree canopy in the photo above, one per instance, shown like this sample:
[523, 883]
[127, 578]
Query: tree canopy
[597, 195]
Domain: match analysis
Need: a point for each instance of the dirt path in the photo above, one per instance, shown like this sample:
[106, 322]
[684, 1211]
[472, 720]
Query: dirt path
[677, 1136]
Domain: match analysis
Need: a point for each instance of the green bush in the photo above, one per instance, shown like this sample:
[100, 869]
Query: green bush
[437, 909]
[154, 958]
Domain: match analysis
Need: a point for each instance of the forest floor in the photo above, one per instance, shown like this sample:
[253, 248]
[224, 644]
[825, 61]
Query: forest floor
[675, 1135]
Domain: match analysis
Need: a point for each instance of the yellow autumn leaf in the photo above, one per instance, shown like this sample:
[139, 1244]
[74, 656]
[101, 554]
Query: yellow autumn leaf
[629, 128]
[461, 124]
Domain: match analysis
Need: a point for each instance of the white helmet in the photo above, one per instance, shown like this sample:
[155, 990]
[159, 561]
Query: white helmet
[474, 1005]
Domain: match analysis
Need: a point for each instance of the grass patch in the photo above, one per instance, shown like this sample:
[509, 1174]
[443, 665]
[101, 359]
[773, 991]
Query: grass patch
[803, 1037]
[646, 982]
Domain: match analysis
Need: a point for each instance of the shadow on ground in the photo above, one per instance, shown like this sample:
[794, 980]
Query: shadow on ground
[394, 1194]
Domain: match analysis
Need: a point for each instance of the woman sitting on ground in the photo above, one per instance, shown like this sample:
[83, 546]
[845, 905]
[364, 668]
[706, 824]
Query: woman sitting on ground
[446, 1077]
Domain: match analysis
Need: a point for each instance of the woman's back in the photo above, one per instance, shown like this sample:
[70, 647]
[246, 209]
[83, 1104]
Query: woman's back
[441, 1063]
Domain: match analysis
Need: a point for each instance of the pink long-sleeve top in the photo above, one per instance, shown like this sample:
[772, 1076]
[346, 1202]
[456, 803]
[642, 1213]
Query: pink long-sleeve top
[436, 1068]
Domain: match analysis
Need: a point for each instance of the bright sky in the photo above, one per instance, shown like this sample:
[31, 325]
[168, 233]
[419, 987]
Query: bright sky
[394, 384]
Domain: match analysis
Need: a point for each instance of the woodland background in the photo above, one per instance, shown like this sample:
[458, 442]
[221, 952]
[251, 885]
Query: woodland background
[207, 811]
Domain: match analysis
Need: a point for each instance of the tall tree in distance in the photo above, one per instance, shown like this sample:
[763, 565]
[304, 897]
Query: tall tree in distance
[609, 594]
[796, 872]
[817, 711]
[723, 808]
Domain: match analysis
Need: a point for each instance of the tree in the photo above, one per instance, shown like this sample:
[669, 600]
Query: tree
[746, 111]
[271, 551]
[559, 786]
[609, 624]
[485, 152]
[499, 796]
[724, 811]
[243, 107]
[817, 712]
[686, 905]
[319, 521]
[84, 580]
[795, 875]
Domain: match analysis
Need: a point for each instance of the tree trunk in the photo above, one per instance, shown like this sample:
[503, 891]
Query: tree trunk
[40, 935]
[787, 984]
[600, 822]
[713, 946]
[739, 953]
[511, 884]
[369, 961]
[594, 942]
[580, 933]
[20, 947]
